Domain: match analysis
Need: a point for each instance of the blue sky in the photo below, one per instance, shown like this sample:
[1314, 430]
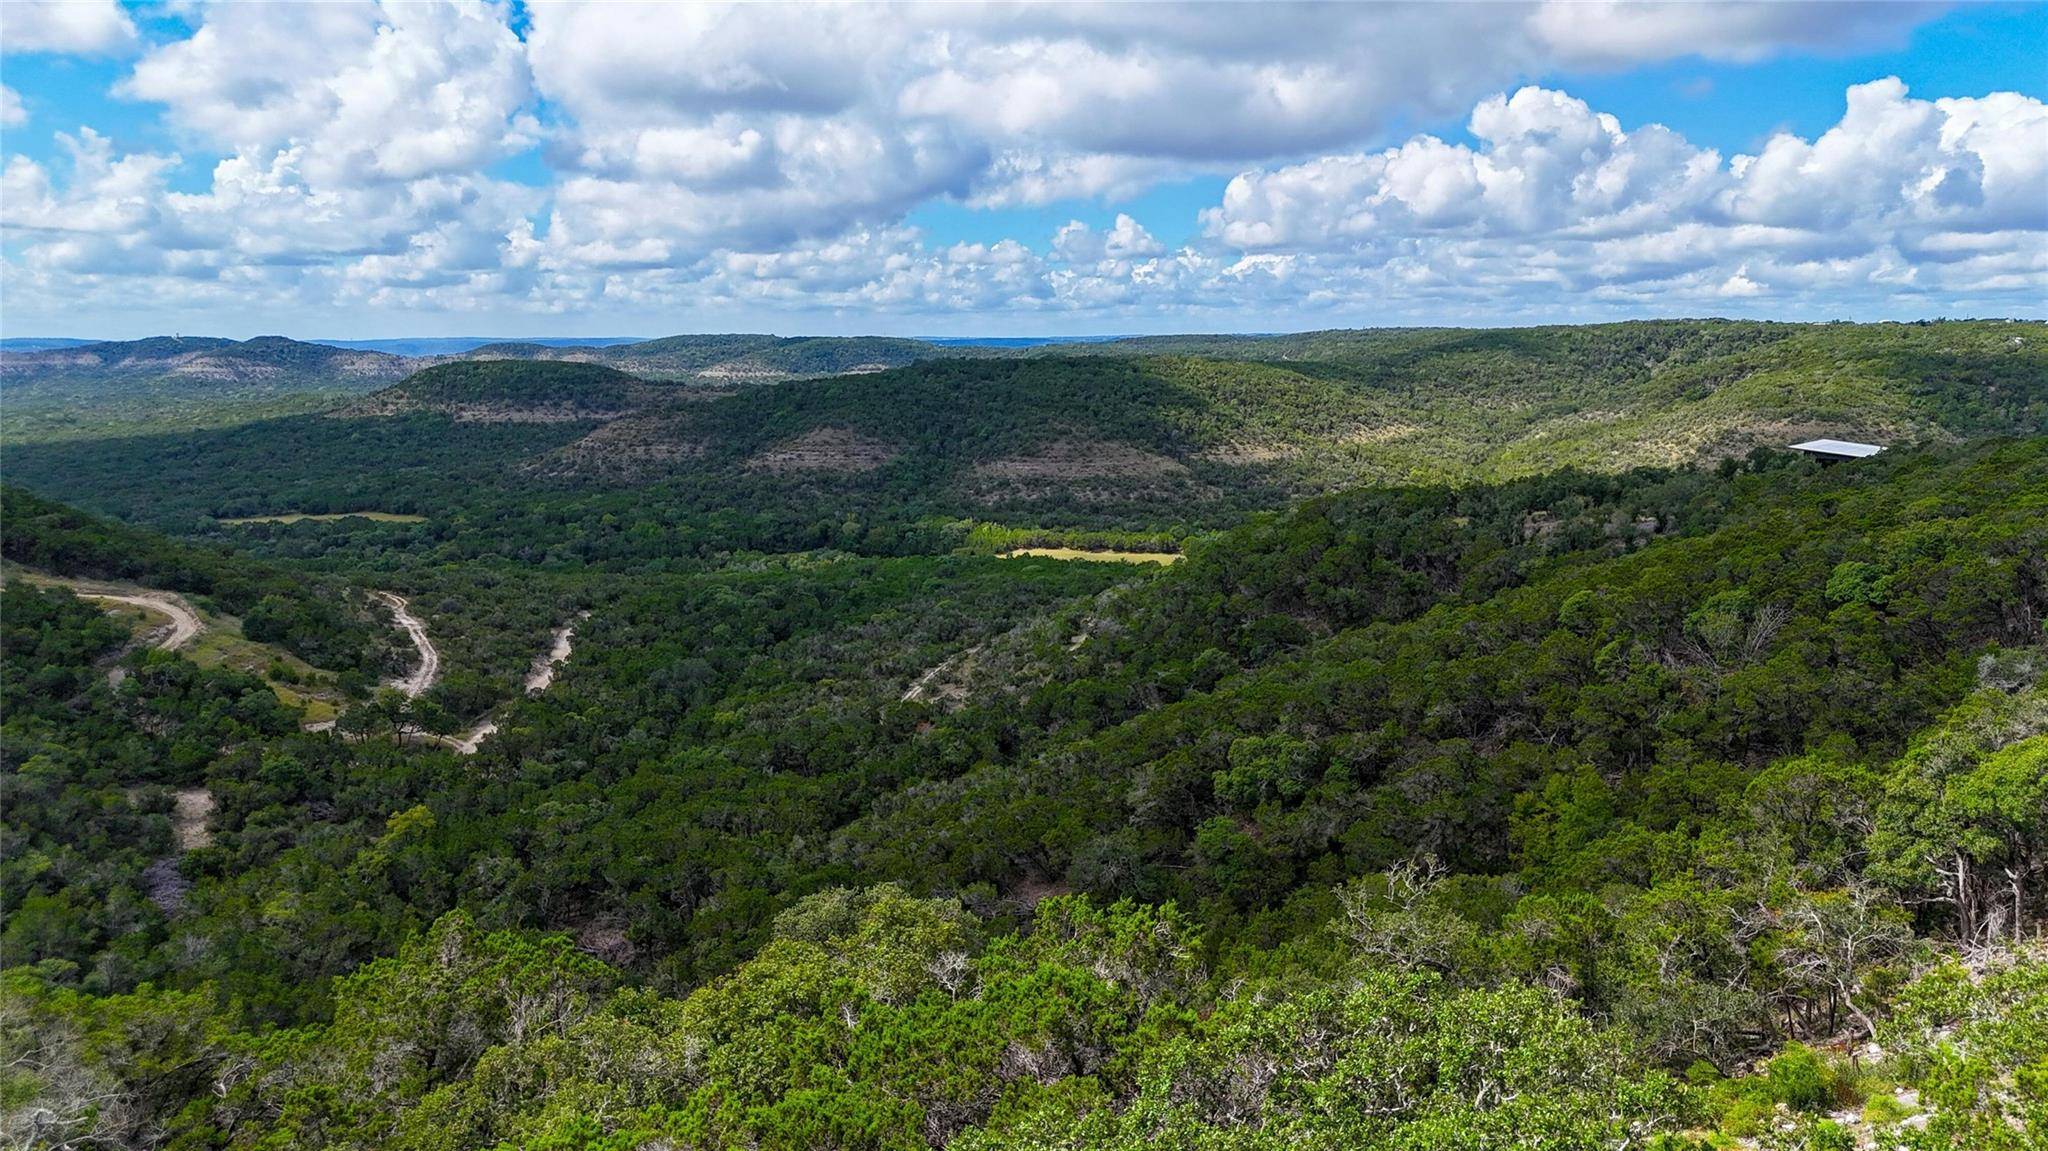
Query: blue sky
[475, 168]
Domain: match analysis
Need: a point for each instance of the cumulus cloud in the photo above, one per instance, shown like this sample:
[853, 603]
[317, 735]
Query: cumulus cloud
[261, 225]
[76, 27]
[1562, 193]
[392, 91]
[1007, 105]
[12, 113]
[1126, 239]
[344, 141]
[1966, 163]
[766, 157]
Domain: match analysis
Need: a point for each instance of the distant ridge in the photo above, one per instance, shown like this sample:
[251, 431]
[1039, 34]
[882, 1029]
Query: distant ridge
[205, 359]
[457, 345]
[39, 343]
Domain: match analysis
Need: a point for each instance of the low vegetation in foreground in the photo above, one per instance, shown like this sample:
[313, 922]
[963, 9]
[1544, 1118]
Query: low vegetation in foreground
[1688, 803]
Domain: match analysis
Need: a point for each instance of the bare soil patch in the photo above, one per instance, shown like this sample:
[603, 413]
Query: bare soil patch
[826, 450]
[627, 450]
[326, 517]
[1091, 471]
[1082, 459]
[194, 806]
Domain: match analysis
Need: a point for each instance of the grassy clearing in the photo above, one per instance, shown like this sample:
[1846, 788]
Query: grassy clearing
[295, 517]
[296, 683]
[1161, 558]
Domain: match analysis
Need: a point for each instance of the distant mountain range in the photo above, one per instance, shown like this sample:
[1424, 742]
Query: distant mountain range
[58, 389]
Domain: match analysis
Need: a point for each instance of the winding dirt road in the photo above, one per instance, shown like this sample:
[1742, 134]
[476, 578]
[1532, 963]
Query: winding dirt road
[184, 627]
[469, 741]
[538, 679]
[429, 671]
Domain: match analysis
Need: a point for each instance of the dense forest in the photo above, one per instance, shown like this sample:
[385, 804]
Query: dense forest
[1516, 778]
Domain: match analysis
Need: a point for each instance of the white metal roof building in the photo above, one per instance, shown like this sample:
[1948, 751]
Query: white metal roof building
[1838, 449]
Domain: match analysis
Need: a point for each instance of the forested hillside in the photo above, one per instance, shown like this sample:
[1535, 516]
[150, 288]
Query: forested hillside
[1587, 809]
[316, 619]
[85, 390]
[1524, 751]
[177, 383]
[580, 464]
[1383, 404]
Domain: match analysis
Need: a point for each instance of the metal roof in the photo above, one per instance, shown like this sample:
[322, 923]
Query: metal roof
[1839, 448]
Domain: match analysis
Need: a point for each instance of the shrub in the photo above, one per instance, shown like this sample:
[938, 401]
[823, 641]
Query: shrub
[1800, 1079]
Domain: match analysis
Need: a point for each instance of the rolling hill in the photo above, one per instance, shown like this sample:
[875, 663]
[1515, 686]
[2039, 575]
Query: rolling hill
[175, 383]
[74, 390]
[1133, 441]
[731, 359]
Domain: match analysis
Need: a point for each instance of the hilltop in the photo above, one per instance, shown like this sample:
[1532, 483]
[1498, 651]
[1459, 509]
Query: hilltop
[722, 359]
[168, 382]
[508, 391]
[202, 360]
[1633, 392]
[81, 390]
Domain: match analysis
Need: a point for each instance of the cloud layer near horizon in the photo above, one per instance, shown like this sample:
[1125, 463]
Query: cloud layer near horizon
[763, 160]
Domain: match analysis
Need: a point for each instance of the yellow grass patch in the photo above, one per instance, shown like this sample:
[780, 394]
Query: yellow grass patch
[295, 517]
[1161, 558]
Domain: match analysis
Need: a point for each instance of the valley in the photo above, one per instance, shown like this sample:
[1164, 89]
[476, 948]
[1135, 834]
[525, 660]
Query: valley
[1023, 576]
[1005, 748]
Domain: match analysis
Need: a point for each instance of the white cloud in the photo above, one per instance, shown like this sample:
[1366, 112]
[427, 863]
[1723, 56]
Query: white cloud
[1874, 205]
[107, 196]
[1618, 32]
[1126, 239]
[368, 91]
[12, 113]
[1968, 163]
[1037, 103]
[712, 158]
[75, 27]
[260, 225]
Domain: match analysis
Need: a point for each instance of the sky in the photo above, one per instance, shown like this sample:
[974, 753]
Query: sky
[530, 168]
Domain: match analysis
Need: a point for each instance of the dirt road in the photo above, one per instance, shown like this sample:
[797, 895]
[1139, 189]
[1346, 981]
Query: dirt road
[429, 671]
[184, 627]
[542, 674]
[469, 741]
